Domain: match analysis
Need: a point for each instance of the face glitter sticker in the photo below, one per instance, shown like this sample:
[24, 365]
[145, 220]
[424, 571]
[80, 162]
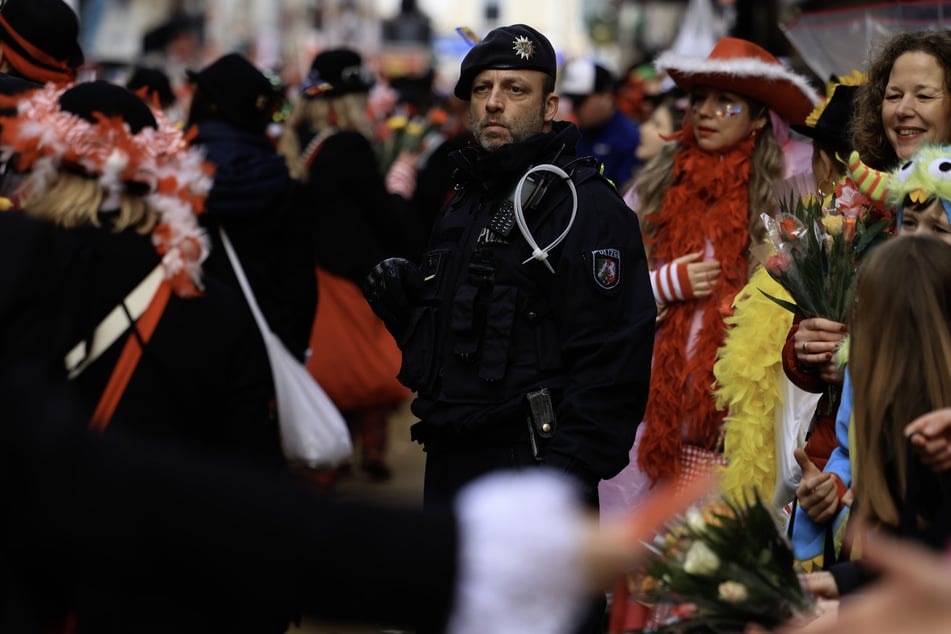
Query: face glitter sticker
[524, 47]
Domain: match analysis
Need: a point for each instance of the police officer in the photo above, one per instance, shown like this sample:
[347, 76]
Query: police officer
[522, 353]
[527, 326]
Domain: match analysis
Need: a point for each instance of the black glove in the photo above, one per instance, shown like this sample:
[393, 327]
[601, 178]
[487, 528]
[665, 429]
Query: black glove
[388, 289]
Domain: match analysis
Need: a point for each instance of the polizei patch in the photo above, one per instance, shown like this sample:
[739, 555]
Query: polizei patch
[606, 267]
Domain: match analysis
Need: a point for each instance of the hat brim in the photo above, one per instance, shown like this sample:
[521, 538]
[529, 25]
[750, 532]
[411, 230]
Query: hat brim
[784, 92]
[780, 96]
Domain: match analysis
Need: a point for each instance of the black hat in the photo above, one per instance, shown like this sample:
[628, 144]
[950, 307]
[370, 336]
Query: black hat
[154, 82]
[834, 120]
[40, 39]
[103, 97]
[516, 46]
[337, 71]
[243, 95]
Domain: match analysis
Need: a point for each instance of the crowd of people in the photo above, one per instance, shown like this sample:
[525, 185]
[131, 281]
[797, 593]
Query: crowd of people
[564, 284]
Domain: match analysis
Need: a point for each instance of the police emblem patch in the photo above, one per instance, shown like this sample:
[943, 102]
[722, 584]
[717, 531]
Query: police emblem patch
[606, 267]
[524, 47]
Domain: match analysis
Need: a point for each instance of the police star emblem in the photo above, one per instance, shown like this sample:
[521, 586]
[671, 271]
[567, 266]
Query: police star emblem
[606, 267]
[524, 47]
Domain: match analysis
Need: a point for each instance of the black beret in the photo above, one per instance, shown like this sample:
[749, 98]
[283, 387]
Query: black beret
[103, 97]
[517, 46]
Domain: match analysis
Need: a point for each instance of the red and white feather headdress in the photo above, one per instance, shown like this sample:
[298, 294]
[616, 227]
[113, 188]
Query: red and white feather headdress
[43, 139]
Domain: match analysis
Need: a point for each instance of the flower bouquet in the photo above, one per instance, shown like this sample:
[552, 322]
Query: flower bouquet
[814, 249]
[721, 567]
[408, 134]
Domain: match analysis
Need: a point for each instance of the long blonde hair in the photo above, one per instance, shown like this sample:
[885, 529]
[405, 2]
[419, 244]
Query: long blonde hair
[900, 363]
[74, 201]
[321, 115]
[766, 167]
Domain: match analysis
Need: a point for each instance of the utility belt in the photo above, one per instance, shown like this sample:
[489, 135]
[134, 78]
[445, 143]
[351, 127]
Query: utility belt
[532, 422]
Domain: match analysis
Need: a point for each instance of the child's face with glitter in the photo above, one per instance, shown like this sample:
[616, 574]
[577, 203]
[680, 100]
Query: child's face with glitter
[721, 119]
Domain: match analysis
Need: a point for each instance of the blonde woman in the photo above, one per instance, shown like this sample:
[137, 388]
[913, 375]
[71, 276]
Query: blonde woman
[359, 219]
[699, 202]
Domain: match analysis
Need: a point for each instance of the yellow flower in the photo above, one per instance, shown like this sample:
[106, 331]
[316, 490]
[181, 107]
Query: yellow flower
[414, 128]
[832, 224]
[397, 122]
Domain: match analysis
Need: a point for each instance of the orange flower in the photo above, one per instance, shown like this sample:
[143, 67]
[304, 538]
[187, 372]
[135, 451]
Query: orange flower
[849, 231]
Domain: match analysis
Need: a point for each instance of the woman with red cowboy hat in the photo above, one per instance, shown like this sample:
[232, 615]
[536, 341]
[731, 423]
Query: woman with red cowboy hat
[699, 202]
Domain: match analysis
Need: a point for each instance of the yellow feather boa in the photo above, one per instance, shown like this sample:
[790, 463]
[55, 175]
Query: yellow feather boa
[747, 387]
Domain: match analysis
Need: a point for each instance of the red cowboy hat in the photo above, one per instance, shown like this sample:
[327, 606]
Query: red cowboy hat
[741, 67]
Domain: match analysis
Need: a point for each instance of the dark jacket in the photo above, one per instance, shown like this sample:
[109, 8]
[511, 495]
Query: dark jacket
[202, 380]
[487, 327]
[138, 531]
[358, 223]
[129, 534]
[255, 200]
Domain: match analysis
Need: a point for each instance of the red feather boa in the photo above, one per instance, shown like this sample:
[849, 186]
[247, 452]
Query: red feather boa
[708, 201]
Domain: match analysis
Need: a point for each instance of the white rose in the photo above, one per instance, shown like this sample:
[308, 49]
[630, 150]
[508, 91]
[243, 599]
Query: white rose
[700, 560]
[695, 521]
[732, 592]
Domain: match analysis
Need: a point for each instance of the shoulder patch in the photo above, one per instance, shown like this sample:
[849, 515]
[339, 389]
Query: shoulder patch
[606, 268]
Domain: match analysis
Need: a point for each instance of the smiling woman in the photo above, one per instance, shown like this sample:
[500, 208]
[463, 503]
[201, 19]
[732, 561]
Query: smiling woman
[916, 106]
[906, 99]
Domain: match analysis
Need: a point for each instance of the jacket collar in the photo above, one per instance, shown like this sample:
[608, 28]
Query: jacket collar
[498, 169]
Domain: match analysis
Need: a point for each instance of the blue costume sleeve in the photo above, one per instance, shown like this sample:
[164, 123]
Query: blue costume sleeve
[808, 537]
[839, 462]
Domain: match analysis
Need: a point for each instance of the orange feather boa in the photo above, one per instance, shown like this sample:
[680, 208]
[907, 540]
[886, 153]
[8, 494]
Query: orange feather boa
[707, 202]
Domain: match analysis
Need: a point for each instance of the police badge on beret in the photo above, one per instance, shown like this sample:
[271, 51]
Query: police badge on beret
[524, 47]
[518, 46]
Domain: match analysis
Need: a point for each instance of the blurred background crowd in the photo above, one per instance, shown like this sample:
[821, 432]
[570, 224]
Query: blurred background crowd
[414, 37]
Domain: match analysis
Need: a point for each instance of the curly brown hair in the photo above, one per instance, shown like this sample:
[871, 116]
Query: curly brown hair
[868, 131]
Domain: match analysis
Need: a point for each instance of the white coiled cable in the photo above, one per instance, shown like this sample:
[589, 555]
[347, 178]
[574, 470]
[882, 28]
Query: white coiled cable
[538, 253]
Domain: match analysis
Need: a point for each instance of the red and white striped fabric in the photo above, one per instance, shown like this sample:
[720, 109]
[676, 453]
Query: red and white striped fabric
[671, 283]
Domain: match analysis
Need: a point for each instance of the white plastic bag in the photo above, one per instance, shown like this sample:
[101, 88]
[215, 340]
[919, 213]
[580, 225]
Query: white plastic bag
[313, 432]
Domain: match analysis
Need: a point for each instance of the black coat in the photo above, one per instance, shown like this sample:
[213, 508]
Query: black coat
[203, 378]
[129, 535]
[260, 207]
[139, 530]
[486, 328]
[358, 223]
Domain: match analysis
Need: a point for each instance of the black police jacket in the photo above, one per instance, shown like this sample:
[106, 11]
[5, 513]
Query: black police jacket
[488, 328]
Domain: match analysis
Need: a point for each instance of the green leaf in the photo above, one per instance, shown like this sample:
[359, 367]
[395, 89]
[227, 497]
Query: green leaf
[793, 308]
